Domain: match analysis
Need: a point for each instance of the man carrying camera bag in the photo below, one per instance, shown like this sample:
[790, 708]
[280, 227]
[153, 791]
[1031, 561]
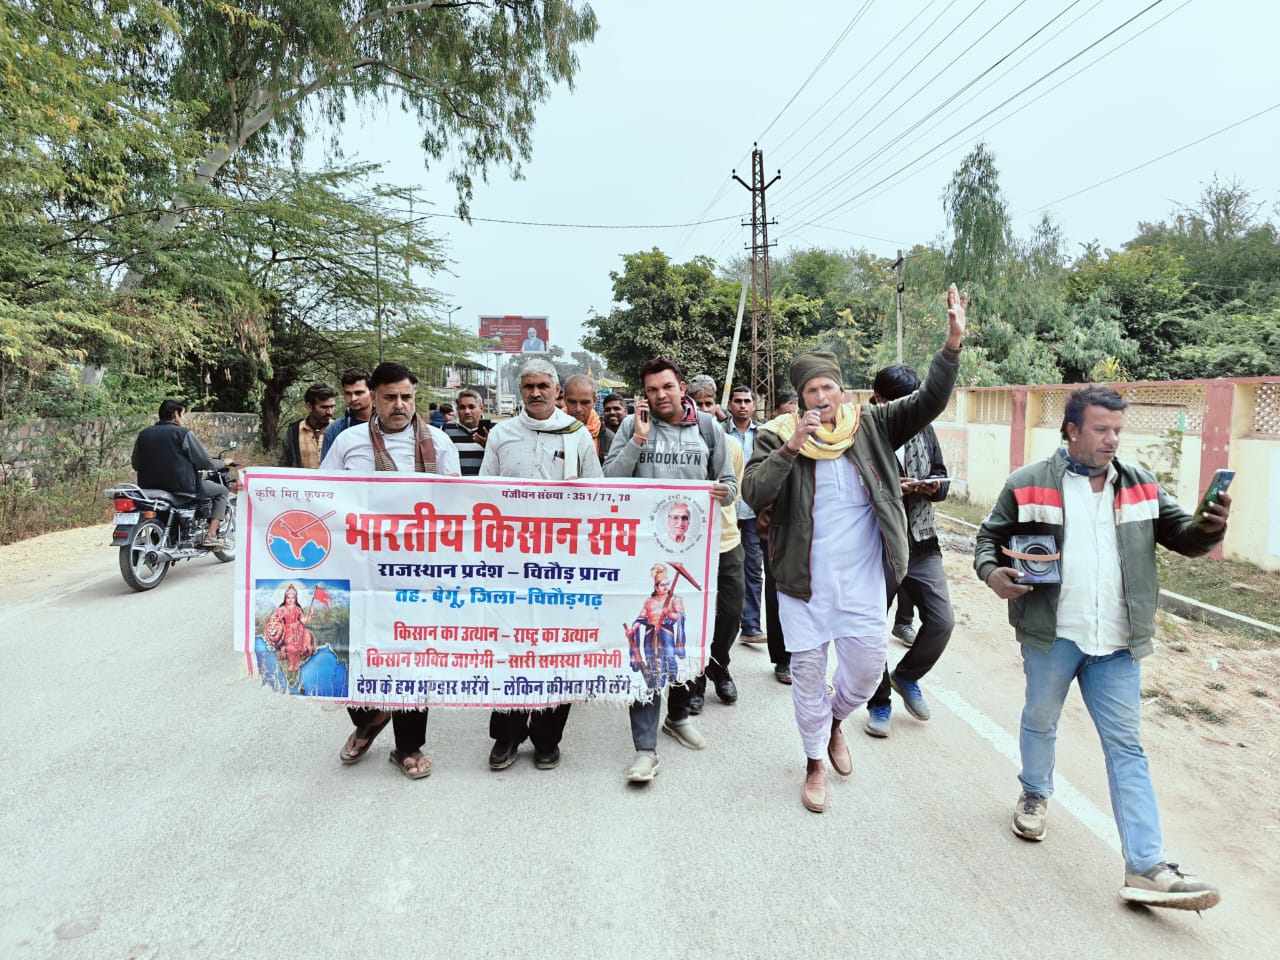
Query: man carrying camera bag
[1105, 518]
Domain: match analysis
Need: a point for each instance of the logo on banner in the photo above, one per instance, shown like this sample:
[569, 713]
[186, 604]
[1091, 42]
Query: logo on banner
[678, 523]
[298, 539]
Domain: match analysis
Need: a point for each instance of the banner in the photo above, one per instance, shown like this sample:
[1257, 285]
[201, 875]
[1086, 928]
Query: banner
[516, 334]
[410, 590]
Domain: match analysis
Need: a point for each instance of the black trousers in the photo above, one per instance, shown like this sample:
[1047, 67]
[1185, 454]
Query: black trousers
[410, 726]
[926, 583]
[544, 727]
[731, 594]
[778, 653]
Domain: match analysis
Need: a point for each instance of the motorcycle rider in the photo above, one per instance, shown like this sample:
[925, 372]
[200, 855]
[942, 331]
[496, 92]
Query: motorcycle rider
[167, 455]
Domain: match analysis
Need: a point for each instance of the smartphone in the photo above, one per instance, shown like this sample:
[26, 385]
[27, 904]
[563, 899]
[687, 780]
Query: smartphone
[1220, 483]
[486, 425]
[644, 415]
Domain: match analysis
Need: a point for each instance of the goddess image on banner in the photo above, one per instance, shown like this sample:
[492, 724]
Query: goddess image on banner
[422, 590]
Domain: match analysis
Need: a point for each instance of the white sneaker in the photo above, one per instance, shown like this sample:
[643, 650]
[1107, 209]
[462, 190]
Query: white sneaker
[643, 768]
[1164, 885]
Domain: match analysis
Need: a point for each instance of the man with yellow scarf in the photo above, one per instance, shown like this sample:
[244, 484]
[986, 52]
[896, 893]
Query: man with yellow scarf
[828, 477]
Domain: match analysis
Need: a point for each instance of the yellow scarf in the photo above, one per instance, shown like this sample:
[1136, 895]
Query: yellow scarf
[827, 443]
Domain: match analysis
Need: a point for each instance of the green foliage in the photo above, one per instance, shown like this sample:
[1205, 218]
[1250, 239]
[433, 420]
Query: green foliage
[978, 215]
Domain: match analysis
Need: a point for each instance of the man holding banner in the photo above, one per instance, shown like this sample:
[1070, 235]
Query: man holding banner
[540, 443]
[667, 438]
[395, 439]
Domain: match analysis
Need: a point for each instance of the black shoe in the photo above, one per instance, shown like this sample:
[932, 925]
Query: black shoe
[726, 689]
[696, 702]
[782, 673]
[503, 754]
[546, 759]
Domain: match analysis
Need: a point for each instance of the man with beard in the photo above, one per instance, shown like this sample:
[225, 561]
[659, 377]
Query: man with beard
[615, 409]
[395, 439]
[302, 442]
[359, 401]
[667, 438]
[540, 443]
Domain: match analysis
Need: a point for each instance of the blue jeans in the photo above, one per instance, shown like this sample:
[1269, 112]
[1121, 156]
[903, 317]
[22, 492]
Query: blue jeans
[1110, 686]
[754, 560]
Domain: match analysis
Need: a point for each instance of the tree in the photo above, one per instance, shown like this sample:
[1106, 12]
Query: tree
[471, 73]
[979, 218]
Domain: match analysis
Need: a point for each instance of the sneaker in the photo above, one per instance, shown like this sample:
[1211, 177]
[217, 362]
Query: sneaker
[877, 724]
[782, 674]
[1029, 816]
[904, 632]
[643, 768]
[1164, 885]
[912, 698]
[685, 732]
[756, 637]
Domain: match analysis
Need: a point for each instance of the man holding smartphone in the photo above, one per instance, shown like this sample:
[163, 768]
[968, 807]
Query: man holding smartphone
[1106, 517]
[469, 432]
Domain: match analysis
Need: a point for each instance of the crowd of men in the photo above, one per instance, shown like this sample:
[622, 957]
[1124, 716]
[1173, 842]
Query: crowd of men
[828, 519]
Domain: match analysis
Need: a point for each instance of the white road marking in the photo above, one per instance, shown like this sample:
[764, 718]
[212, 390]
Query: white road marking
[1065, 795]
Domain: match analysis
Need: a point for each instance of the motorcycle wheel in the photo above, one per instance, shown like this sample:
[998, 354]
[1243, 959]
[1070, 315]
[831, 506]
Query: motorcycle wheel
[140, 564]
[228, 533]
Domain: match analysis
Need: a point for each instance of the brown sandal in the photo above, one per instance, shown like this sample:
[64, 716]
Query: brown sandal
[368, 733]
[399, 759]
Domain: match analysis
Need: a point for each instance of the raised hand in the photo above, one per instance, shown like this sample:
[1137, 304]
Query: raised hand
[956, 304]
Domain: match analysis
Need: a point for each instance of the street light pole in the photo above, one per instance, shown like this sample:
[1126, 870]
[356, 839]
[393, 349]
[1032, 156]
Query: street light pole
[377, 291]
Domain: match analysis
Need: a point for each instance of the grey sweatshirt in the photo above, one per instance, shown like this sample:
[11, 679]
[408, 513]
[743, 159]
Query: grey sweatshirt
[673, 452]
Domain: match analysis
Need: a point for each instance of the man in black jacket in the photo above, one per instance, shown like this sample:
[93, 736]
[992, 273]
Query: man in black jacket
[920, 459]
[167, 455]
[303, 440]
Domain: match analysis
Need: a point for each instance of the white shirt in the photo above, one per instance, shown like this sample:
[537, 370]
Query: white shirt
[513, 450]
[353, 450]
[1091, 610]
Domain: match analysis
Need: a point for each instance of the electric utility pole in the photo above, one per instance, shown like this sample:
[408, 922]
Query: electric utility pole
[762, 361]
[897, 266]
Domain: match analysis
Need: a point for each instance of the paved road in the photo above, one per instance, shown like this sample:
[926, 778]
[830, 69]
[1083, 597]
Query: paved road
[157, 803]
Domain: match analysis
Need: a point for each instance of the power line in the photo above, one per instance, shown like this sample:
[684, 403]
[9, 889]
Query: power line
[592, 226]
[942, 143]
[818, 194]
[1170, 153]
[814, 72]
[857, 73]
[1013, 113]
[799, 175]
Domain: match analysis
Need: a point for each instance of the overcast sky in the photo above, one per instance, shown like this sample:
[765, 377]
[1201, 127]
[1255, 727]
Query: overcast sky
[672, 94]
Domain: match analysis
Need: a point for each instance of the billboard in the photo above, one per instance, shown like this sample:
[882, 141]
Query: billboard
[516, 334]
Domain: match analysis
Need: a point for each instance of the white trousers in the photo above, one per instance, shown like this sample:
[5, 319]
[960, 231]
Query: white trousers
[859, 666]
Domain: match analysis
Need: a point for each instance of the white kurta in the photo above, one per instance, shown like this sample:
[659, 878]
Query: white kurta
[846, 572]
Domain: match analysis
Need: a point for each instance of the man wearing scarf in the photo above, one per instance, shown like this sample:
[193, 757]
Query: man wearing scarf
[396, 438]
[580, 403]
[540, 443]
[1104, 517]
[838, 536]
[664, 439]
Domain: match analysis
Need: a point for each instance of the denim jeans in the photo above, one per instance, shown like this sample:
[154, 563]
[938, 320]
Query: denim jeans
[1110, 687]
[753, 558]
[645, 716]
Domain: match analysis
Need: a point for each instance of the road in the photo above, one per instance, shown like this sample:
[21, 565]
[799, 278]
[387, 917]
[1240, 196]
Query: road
[159, 803]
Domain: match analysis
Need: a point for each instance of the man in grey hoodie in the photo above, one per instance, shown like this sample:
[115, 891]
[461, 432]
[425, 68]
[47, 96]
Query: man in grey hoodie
[667, 438]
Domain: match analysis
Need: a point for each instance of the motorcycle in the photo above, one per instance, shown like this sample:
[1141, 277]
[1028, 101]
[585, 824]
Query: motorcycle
[156, 528]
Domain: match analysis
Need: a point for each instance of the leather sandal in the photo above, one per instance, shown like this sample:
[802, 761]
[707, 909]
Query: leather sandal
[814, 795]
[368, 733]
[838, 751]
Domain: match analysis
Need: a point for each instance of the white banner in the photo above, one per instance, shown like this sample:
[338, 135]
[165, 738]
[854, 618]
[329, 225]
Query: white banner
[407, 590]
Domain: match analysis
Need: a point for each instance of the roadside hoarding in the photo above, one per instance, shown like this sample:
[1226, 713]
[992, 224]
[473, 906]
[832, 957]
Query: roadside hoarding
[516, 334]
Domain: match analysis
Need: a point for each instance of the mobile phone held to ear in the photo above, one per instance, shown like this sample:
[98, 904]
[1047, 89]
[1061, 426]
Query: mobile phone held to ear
[1219, 484]
[644, 415]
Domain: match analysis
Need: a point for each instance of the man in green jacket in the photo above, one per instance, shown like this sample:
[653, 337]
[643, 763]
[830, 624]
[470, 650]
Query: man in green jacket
[1101, 519]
